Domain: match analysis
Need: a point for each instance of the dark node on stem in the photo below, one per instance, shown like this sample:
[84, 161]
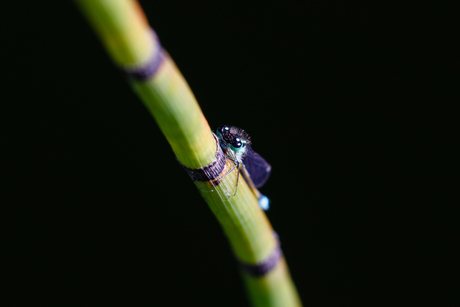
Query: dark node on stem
[265, 266]
[147, 70]
[209, 172]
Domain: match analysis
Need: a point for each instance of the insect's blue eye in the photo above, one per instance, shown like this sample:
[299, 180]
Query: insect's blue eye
[223, 144]
[238, 144]
[236, 148]
[222, 130]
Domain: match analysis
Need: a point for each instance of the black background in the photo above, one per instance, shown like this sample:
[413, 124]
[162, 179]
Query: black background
[349, 103]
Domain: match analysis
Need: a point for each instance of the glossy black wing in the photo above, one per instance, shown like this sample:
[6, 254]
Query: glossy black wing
[257, 167]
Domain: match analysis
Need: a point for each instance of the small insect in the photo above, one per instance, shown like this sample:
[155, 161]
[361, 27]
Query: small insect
[236, 144]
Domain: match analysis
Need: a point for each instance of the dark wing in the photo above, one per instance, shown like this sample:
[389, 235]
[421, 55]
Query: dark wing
[257, 167]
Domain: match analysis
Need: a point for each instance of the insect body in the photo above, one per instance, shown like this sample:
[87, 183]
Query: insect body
[236, 145]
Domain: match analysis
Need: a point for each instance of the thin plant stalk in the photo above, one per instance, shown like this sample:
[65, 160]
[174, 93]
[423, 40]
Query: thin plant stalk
[127, 37]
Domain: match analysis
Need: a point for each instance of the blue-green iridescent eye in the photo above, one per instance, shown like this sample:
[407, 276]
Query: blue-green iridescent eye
[223, 144]
[238, 144]
[235, 148]
[222, 130]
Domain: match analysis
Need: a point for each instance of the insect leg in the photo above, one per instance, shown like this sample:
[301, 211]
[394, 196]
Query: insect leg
[236, 165]
[237, 179]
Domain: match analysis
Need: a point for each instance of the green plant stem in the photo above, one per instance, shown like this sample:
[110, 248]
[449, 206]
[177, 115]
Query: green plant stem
[126, 36]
